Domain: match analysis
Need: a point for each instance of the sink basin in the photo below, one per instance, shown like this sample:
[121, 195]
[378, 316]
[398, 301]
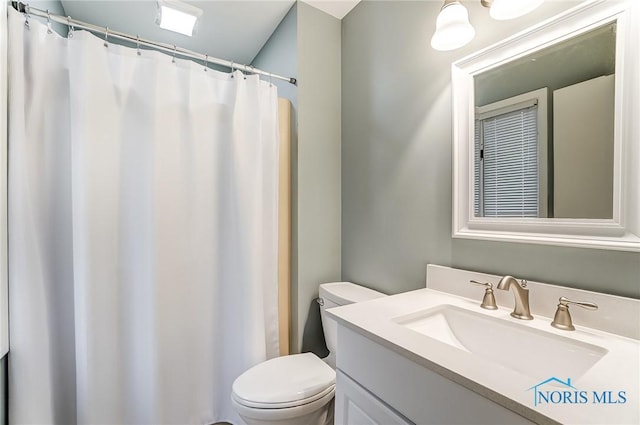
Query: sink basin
[526, 350]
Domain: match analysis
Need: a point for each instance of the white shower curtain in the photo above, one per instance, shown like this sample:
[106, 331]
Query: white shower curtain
[143, 232]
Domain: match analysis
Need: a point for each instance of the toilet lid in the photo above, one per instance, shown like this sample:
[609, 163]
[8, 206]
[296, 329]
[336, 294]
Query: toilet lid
[284, 380]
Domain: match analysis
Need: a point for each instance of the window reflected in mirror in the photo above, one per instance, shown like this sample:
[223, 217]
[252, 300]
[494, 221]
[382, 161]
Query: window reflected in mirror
[544, 132]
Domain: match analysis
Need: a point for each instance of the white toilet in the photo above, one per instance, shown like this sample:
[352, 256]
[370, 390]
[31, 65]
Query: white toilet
[297, 389]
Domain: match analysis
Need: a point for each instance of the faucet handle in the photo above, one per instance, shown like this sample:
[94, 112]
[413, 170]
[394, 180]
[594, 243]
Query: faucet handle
[584, 304]
[562, 319]
[489, 299]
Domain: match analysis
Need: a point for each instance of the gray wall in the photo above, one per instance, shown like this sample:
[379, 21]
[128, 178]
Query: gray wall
[280, 56]
[396, 160]
[307, 45]
[318, 169]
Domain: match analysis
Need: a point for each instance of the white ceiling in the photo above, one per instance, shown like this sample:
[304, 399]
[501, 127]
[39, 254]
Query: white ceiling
[233, 30]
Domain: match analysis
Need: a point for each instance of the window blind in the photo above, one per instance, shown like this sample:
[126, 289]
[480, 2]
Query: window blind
[477, 166]
[506, 165]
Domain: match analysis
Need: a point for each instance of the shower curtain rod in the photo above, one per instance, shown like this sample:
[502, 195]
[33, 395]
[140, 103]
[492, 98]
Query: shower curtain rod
[67, 20]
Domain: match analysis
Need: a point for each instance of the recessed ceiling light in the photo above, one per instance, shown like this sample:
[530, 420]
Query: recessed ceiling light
[177, 16]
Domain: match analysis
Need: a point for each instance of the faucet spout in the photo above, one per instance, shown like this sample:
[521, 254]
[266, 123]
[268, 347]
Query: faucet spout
[521, 295]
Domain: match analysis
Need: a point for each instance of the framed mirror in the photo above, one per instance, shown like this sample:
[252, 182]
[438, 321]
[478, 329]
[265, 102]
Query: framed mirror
[546, 133]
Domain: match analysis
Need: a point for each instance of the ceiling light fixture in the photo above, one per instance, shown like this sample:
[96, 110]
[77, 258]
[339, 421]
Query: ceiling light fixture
[453, 29]
[174, 15]
[503, 10]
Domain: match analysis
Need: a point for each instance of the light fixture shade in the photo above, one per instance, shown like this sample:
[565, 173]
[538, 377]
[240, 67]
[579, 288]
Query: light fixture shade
[502, 10]
[174, 15]
[453, 29]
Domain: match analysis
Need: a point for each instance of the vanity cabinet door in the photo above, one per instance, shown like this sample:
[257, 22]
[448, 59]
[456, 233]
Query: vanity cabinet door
[357, 406]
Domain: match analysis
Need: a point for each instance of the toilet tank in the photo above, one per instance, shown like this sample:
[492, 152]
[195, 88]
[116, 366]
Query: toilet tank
[335, 294]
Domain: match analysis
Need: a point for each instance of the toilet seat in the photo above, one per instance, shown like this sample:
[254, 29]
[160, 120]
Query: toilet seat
[296, 414]
[257, 405]
[285, 382]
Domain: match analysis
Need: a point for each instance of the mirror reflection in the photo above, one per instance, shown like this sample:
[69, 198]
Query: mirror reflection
[544, 132]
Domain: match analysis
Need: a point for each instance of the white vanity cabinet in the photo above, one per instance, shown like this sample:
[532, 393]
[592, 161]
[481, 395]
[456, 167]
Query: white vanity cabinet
[357, 406]
[376, 385]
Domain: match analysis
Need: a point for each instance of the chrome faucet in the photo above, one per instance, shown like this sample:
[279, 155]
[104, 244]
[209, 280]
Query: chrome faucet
[521, 294]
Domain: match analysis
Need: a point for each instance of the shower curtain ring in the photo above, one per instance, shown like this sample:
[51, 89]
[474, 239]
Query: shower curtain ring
[71, 28]
[106, 36]
[232, 69]
[174, 54]
[270, 79]
[49, 30]
[27, 15]
[206, 62]
[138, 44]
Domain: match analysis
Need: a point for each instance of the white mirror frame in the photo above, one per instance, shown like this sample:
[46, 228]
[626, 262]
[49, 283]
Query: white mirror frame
[4, 291]
[622, 232]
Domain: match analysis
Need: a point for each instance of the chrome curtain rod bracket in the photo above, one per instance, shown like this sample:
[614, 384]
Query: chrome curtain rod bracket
[20, 7]
[167, 48]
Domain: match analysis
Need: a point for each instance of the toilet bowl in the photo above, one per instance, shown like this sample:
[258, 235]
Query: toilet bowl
[297, 389]
[294, 390]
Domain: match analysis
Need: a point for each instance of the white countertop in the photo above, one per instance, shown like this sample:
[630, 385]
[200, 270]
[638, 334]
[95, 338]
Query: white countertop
[618, 370]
